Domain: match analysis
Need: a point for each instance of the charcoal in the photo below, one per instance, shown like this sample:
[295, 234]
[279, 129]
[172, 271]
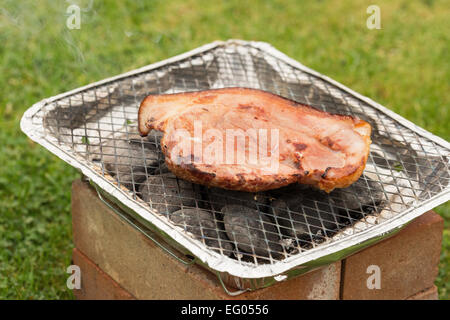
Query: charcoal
[166, 193]
[202, 224]
[162, 169]
[221, 197]
[359, 195]
[126, 155]
[290, 190]
[155, 137]
[129, 179]
[303, 207]
[249, 229]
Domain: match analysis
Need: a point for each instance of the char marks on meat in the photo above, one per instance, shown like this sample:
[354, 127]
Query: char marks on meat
[314, 147]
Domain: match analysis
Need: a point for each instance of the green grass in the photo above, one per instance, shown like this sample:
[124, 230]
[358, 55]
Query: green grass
[404, 66]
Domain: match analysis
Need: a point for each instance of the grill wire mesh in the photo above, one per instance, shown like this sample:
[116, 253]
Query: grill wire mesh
[99, 126]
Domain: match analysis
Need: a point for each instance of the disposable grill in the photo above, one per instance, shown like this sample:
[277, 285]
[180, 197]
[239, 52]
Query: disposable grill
[283, 232]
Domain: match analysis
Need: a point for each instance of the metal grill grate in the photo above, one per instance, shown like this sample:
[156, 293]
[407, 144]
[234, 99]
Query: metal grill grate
[97, 127]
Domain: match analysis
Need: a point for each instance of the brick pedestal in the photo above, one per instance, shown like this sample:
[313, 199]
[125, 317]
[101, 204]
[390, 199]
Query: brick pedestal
[119, 262]
[427, 294]
[95, 283]
[408, 262]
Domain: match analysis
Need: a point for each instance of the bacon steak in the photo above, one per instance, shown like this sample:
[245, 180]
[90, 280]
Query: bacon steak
[310, 146]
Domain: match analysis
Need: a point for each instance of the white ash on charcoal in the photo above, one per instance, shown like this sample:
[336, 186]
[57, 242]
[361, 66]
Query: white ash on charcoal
[203, 226]
[302, 211]
[120, 155]
[132, 181]
[128, 159]
[305, 213]
[161, 169]
[219, 198]
[252, 231]
[363, 195]
[166, 193]
[155, 137]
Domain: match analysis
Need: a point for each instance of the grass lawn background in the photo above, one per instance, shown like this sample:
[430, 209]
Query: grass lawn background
[404, 66]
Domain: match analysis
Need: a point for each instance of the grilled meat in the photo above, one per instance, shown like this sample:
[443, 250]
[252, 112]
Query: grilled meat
[292, 142]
